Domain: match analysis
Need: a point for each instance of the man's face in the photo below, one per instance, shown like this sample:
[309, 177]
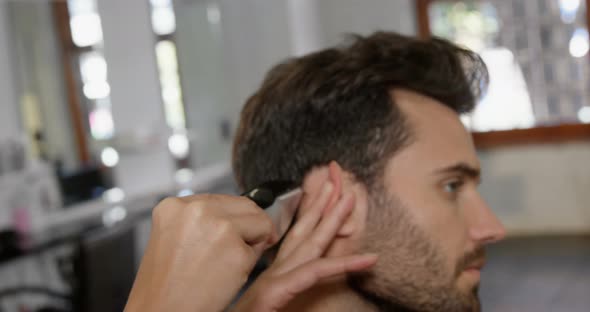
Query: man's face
[427, 221]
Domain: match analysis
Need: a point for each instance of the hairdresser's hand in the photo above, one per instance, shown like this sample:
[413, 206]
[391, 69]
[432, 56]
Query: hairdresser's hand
[300, 262]
[200, 253]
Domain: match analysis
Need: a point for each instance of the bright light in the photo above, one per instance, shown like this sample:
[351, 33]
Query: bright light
[466, 120]
[569, 10]
[86, 29]
[185, 192]
[171, 94]
[169, 81]
[96, 90]
[213, 14]
[183, 176]
[161, 3]
[109, 157]
[163, 21]
[579, 43]
[178, 145]
[569, 6]
[584, 114]
[507, 91]
[166, 55]
[77, 7]
[114, 195]
[101, 123]
[114, 215]
[93, 68]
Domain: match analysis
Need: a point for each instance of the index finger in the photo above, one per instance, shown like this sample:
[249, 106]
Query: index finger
[308, 222]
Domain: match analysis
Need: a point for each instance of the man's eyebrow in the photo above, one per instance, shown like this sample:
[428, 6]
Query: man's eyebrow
[462, 168]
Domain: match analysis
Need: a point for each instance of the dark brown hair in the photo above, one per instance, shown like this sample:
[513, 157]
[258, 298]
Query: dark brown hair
[335, 105]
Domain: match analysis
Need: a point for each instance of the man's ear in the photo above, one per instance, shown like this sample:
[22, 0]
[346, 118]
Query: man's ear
[336, 177]
[342, 182]
[319, 176]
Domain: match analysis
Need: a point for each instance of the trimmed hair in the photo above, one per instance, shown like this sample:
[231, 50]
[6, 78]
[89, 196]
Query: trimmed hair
[335, 104]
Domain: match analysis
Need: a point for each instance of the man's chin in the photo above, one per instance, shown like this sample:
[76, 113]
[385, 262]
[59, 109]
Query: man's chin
[471, 299]
[468, 282]
[456, 301]
[475, 303]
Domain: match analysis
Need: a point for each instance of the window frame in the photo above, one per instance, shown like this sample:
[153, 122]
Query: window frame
[560, 133]
[68, 52]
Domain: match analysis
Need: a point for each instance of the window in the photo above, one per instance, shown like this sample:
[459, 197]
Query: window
[82, 40]
[503, 32]
[86, 35]
[164, 26]
[537, 55]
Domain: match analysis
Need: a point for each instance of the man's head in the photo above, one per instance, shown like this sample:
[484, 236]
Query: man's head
[386, 109]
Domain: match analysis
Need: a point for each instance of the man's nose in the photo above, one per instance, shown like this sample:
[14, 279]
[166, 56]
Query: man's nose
[485, 227]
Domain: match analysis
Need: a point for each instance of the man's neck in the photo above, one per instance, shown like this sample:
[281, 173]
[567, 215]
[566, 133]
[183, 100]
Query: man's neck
[329, 297]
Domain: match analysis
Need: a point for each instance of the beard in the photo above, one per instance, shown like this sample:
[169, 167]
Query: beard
[411, 274]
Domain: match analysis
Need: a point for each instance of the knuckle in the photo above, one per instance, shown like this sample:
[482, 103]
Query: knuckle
[206, 197]
[222, 228]
[268, 225]
[201, 205]
[165, 208]
[198, 209]
[169, 202]
[217, 199]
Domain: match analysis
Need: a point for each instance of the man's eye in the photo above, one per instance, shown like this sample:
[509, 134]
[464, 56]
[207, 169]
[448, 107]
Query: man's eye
[453, 186]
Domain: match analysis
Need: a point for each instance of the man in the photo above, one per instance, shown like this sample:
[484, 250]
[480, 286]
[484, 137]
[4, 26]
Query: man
[386, 109]
[371, 132]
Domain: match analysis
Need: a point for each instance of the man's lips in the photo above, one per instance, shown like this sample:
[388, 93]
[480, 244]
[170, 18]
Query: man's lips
[476, 265]
[472, 262]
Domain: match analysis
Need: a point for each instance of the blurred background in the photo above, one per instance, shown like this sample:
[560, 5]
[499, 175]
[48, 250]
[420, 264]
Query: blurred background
[108, 106]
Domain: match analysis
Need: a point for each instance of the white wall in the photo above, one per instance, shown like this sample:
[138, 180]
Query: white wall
[9, 121]
[340, 17]
[39, 78]
[317, 24]
[539, 188]
[138, 114]
[205, 87]
[305, 26]
[257, 37]
[222, 64]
